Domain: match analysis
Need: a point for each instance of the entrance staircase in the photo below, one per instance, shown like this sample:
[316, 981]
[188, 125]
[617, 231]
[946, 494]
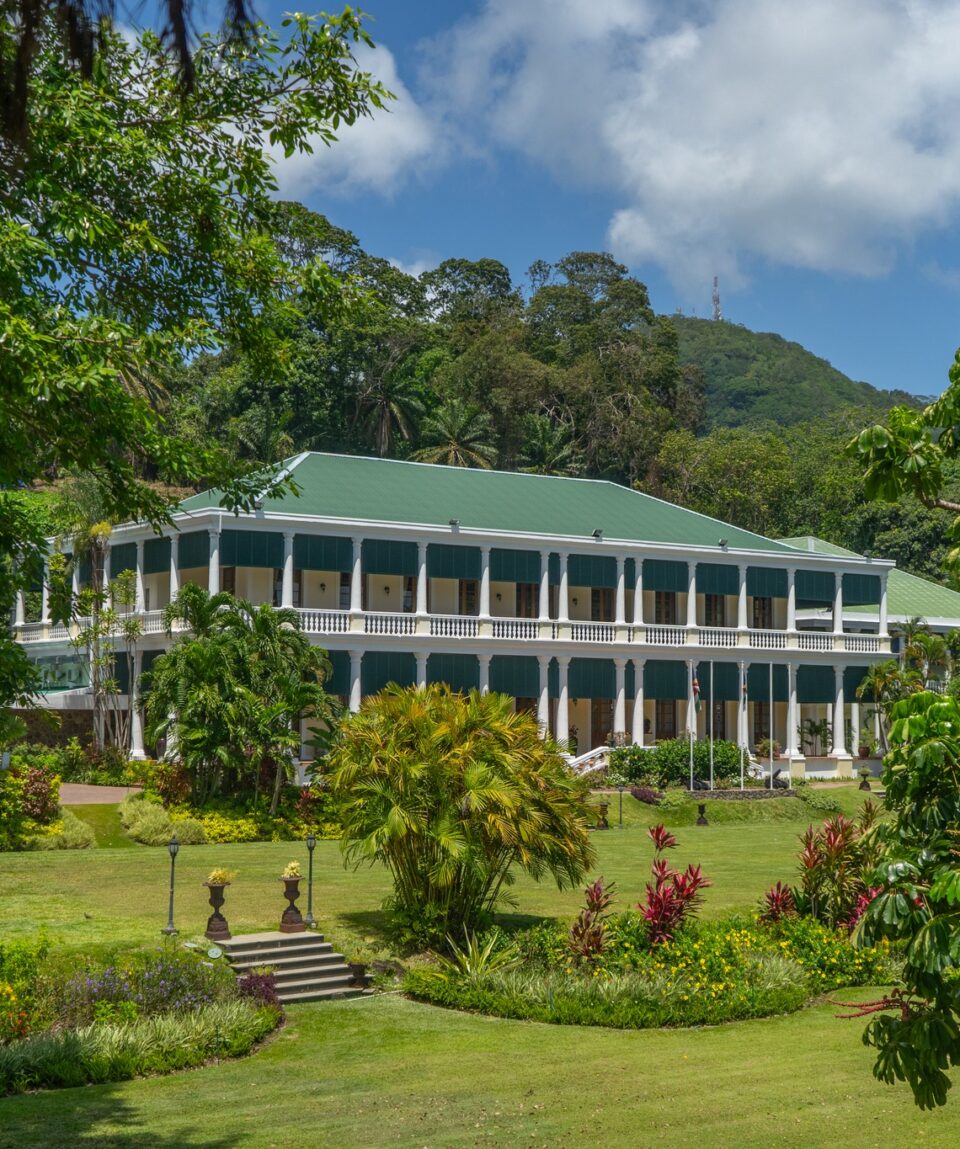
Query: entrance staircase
[304, 966]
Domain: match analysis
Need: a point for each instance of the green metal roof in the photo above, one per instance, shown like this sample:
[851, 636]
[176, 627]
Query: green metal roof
[387, 490]
[907, 594]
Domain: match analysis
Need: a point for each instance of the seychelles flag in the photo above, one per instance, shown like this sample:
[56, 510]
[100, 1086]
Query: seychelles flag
[696, 692]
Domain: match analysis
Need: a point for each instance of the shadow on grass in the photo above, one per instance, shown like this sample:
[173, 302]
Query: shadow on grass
[92, 1116]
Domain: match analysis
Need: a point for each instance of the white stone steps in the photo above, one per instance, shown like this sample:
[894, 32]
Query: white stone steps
[304, 966]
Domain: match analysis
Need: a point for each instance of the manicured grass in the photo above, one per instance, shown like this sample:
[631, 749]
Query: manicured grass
[105, 820]
[385, 1071]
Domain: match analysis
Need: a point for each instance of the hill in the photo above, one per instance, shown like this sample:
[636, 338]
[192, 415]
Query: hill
[753, 376]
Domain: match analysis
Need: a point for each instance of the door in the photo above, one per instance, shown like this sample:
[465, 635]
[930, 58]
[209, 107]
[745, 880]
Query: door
[601, 721]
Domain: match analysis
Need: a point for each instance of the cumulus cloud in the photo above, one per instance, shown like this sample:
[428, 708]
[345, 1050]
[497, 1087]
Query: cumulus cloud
[374, 154]
[822, 135]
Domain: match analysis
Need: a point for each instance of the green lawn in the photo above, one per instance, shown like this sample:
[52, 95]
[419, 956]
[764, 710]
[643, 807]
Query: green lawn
[388, 1072]
[105, 820]
[384, 1071]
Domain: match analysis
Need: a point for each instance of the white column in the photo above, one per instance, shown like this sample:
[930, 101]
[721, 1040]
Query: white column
[883, 629]
[421, 671]
[620, 702]
[356, 577]
[563, 597]
[691, 712]
[140, 599]
[213, 575]
[691, 594]
[484, 660]
[791, 606]
[637, 732]
[286, 590]
[421, 579]
[45, 593]
[563, 702]
[838, 603]
[743, 738]
[484, 582]
[356, 663]
[174, 566]
[855, 725]
[543, 698]
[74, 580]
[544, 611]
[638, 591]
[20, 608]
[620, 609]
[793, 721]
[742, 598]
[136, 714]
[838, 749]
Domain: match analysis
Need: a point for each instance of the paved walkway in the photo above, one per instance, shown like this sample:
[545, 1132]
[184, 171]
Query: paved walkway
[77, 794]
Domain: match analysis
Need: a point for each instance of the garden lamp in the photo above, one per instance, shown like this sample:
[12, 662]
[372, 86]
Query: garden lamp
[310, 921]
[173, 846]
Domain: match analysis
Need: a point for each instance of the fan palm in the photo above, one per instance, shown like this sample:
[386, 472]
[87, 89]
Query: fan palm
[458, 435]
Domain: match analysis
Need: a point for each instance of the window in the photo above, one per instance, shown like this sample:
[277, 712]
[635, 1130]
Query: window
[278, 587]
[409, 594]
[666, 712]
[228, 579]
[601, 604]
[146, 598]
[714, 610]
[344, 590]
[665, 608]
[761, 721]
[763, 612]
[468, 596]
[528, 600]
[526, 706]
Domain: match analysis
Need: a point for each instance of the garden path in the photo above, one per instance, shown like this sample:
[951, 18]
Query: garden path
[78, 794]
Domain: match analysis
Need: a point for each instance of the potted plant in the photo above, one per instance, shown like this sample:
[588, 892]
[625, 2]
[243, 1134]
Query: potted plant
[291, 920]
[358, 962]
[763, 749]
[864, 777]
[217, 881]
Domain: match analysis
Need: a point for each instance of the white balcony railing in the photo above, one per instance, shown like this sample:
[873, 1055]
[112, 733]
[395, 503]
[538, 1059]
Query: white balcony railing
[522, 628]
[717, 636]
[454, 626]
[767, 639]
[666, 636]
[325, 621]
[862, 643]
[389, 624]
[593, 632]
[812, 641]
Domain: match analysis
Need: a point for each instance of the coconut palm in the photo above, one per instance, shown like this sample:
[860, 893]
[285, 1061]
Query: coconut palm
[886, 683]
[388, 408]
[458, 435]
[548, 448]
[452, 793]
[197, 609]
[907, 632]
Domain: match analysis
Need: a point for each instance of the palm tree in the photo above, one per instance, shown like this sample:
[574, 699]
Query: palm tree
[452, 793]
[548, 449]
[389, 406]
[197, 609]
[907, 632]
[886, 683]
[932, 656]
[458, 435]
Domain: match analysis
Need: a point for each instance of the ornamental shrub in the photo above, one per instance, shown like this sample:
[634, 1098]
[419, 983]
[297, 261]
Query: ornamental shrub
[668, 763]
[69, 833]
[40, 795]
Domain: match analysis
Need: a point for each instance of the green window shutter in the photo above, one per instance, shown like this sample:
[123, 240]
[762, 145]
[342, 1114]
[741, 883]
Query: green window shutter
[121, 672]
[459, 671]
[814, 588]
[339, 680]
[444, 561]
[664, 574]
[630, 573]
[389, 557]
[861, 589]
[592, 678]
[251, 549]
[766, 582]
[758, 683]
[516, 675]
[852, 677]
[322, 553]
[554, 569]
[592, 570]
[123, 558]
[664, 680]
[726, 681]
[717, 578]
[514, 566]
[194, 550]
[156, 556]
[630, 680]
[381, 667]
[553, 678]
[815, 684]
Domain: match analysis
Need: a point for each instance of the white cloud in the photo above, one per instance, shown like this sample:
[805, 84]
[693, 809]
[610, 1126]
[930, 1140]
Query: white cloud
[374, 154]
[417, 265]
[823, 134]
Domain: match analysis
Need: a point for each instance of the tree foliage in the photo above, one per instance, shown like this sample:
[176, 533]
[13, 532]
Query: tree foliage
[453, 794]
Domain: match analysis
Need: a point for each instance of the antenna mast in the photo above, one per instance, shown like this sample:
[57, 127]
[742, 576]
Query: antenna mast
[717, 313]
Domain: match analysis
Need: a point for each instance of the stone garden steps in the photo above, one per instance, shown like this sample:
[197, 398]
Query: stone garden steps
[305, 967]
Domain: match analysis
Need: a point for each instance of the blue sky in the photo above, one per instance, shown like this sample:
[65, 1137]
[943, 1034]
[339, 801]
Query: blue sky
[808, 154]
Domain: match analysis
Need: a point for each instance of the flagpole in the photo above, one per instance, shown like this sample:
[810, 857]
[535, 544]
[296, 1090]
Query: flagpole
[770, 747]
[742, 719]
[711, 723]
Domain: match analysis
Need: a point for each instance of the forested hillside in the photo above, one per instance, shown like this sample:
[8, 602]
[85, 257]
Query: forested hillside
[751, 376]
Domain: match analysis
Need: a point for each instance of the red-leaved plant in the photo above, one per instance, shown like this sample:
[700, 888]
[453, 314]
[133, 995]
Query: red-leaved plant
[673, 896]
[778, 902]
[588, 934]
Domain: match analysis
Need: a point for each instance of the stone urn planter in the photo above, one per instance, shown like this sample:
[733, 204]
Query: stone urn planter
[217, 928]
[291, 920]
[359, 971]
[602, 822]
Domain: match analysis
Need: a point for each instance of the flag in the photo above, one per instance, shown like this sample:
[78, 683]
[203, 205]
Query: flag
[743, 695]
[696, 693]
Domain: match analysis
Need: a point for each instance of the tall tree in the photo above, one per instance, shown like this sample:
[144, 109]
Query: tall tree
[458, 435]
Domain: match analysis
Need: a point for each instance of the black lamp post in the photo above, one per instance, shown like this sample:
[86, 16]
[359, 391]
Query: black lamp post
[310, 921]
[621, 788]
[173, 846]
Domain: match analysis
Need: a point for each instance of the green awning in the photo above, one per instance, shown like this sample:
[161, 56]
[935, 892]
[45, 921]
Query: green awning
[123, 558]
[516, 675]
[322, 553]
[156, 556]
[814, 588]
[390, 557]
[665, 574]
[592, 570]
[459, 671]
[717, 578]
[726, 681]
[445, 561]
[339, 680]
[592, 678]
[766, 582]
[194, 550]
[815, 684]
[861, 589]
[251, 549]
[758, 683]
[514, 566]
[380, 667]
[665, 680]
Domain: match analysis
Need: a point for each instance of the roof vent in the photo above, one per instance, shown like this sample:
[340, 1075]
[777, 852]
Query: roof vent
[598, 534]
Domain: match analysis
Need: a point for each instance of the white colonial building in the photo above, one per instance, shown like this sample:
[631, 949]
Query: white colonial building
[593, 606]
